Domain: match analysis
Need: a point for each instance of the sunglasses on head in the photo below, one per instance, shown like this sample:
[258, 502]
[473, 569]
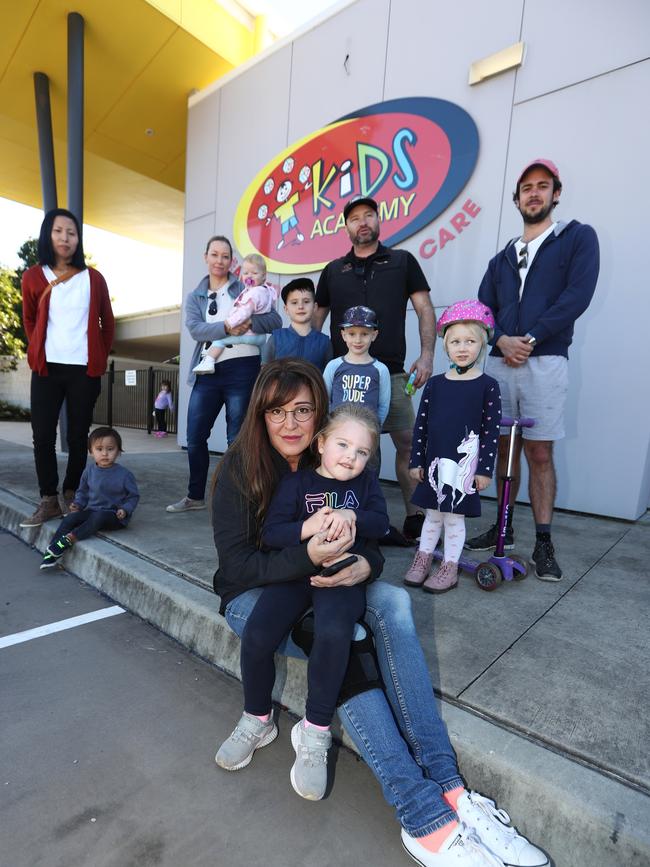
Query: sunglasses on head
[523, 257]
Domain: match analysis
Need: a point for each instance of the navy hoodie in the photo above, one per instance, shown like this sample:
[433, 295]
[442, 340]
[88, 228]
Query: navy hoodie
[559, 287]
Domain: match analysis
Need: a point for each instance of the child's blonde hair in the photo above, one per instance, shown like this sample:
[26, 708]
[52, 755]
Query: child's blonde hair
[477, 330]
[257, 260]
[352, 412]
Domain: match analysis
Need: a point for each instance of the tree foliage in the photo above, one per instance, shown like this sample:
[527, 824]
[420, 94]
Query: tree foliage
[13, 341]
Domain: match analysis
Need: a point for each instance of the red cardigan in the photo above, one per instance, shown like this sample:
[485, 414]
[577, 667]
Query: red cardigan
[101, 324]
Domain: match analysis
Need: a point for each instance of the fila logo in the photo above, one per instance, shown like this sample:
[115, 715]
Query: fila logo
[314, 502]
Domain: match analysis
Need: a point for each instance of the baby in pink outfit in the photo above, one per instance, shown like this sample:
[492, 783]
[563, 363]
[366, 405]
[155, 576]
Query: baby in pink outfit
[257, 297]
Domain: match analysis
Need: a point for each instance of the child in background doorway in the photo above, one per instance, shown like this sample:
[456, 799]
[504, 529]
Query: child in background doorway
[257, 297]
[299, 340]
[331, 499]
[105, 499]
[455, 441]
[162, 403]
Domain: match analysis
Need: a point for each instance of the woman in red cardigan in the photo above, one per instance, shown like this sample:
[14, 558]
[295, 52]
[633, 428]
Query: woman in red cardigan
[69, 324]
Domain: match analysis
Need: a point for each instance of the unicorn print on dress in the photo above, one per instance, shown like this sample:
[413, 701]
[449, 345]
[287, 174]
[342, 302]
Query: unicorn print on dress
[458, 475]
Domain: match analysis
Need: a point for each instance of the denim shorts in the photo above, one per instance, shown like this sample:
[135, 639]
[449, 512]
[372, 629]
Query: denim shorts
[400, 412]
[536, 389]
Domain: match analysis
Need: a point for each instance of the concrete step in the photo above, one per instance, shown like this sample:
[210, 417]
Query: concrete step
[580, 816]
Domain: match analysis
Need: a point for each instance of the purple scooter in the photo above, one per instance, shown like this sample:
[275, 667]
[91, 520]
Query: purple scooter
[499, 567]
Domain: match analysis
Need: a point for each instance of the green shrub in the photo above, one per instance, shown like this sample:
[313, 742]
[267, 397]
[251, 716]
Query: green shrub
[11, 412]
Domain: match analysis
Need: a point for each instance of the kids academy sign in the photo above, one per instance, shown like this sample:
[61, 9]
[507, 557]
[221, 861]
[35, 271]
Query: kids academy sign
[414, 156]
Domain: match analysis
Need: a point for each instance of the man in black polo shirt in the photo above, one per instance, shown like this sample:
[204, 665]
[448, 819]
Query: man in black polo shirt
[384, 280]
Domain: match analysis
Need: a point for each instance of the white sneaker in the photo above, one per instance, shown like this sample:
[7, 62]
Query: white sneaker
[493, 827]
[206, 365]
[461, 849]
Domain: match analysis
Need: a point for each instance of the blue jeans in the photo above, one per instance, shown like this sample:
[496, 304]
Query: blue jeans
[231, 385]
[88, 522]
[399, 732]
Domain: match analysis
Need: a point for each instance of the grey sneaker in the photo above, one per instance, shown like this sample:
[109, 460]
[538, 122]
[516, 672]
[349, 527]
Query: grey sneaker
[47, 509]
[186, 505]
[309, 771]
[249, 735]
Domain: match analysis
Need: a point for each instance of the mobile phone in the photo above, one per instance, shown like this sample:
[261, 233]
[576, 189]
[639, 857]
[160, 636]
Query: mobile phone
[336, 567]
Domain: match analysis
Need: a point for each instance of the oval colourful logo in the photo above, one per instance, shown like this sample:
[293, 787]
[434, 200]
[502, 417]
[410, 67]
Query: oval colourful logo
[413, 156]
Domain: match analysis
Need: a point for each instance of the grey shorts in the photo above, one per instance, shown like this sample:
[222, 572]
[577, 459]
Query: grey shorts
[537, 389]
[400, 412]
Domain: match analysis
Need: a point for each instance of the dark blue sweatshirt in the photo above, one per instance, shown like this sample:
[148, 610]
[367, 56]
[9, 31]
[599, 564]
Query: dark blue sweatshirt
[110, 488]
[559, 287]
[299, 495]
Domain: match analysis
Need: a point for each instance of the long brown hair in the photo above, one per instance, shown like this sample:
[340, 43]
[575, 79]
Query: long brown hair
[252, 453]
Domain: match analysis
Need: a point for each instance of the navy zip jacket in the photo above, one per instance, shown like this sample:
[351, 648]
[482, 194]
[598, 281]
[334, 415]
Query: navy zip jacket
[559, 287]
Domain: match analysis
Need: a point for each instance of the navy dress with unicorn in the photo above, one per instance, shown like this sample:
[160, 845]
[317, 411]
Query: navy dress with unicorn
[455, 437]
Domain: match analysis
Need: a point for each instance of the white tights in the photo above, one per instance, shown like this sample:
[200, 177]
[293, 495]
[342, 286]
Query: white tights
[454, 533]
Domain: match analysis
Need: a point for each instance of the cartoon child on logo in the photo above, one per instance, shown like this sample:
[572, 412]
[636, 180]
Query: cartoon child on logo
[286, 213]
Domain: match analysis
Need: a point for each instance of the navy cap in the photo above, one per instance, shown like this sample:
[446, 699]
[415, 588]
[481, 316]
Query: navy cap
[359, 317]
[359, 200]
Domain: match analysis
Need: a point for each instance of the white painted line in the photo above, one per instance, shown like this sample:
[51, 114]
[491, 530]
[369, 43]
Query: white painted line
[59, 626]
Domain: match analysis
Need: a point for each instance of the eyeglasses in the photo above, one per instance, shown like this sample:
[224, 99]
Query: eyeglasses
[301, 413]
[523, 257]
[212, 308]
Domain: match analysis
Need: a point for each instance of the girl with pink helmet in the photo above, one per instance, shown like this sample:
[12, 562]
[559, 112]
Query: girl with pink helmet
[454, 443]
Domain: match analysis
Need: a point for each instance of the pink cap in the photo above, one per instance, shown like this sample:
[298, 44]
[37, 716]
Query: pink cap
[549, 165]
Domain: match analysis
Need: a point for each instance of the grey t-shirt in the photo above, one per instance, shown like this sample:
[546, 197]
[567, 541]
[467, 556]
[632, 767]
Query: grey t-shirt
[365, 384]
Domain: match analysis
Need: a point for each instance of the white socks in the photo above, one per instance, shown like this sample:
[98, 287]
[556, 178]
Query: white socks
[454, 525]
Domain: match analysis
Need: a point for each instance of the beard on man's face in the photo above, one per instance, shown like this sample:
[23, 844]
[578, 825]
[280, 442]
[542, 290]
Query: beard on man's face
[534, 217]
[364, 236]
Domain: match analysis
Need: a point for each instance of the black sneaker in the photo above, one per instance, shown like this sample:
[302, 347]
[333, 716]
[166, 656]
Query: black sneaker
[413, 526]
[55, 551]
[488, 541]
[543, 559]
[395, 539]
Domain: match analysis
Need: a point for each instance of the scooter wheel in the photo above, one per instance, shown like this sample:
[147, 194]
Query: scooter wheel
[488, 576]
[516, 575]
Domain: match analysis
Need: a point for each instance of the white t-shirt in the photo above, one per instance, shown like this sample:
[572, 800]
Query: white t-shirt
[66, 341]
[533, 246]
[224, 306]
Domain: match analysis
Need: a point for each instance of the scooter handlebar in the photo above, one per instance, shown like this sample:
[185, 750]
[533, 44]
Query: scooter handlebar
[517, 422]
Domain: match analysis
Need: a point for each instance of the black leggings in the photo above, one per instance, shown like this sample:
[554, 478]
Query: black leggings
[88, 522]
[336, 610]
[161, 419]
[71, 383]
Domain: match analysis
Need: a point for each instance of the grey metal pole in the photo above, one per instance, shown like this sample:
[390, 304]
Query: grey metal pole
[45, 141]
[76, 115]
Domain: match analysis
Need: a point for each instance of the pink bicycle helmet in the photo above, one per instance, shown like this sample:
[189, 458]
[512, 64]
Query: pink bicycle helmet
[470, 310]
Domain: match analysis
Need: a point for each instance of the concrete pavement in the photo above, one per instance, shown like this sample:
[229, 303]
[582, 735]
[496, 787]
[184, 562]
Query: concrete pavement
[108, 744]
[542, 684]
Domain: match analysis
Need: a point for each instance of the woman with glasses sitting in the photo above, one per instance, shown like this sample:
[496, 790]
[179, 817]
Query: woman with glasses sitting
[395, 725]
[235, 372]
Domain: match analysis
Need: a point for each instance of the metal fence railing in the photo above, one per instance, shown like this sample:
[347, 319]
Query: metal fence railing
[126, 400]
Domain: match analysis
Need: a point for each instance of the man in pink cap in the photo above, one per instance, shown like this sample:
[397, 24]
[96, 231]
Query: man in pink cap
[537, 287]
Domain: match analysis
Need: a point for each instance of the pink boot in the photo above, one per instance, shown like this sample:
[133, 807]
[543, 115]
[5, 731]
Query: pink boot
[446, 578]
[419, 569]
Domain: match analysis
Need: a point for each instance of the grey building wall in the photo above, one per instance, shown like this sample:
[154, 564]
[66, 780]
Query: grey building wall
[578, 98]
